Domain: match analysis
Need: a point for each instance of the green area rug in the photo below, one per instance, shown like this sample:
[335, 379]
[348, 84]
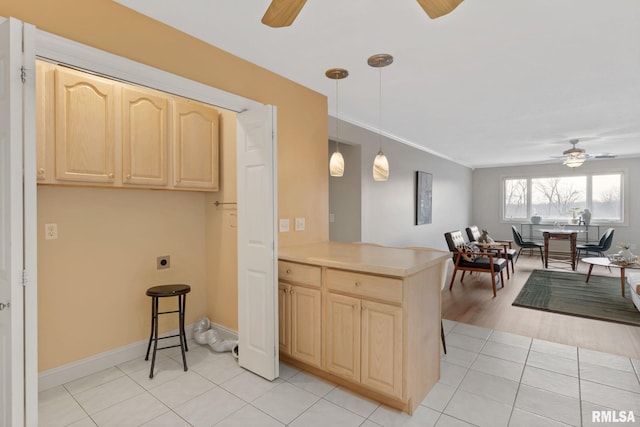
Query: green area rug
[567, 293]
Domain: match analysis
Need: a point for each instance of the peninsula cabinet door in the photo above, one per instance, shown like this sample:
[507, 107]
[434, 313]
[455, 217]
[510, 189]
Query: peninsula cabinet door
[196, 141]
[144, 137]
[84, 127]
[305, 325]
[343, 336]
[382, 347]
[284, 318]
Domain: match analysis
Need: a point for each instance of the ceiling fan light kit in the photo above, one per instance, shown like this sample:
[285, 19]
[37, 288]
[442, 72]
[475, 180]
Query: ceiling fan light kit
[336, 163]
[380, 163]
[574, 157]
[282, 13]
[574, 161]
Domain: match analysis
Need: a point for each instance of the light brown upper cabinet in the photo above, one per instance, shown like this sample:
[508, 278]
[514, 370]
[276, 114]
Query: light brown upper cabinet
[84, 127]
[144, 137]
[100, 132]
[195, 145]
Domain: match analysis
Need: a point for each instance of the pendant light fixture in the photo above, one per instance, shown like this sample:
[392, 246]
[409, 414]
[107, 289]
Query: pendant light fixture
[336, 163]
[380, 163]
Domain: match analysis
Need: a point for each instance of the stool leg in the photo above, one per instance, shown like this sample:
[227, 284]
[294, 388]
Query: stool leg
[155, 335]
[184, 310]
[183, 341]
[153, 322]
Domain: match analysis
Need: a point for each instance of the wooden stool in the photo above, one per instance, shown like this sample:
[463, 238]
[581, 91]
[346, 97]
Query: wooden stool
[164, 291]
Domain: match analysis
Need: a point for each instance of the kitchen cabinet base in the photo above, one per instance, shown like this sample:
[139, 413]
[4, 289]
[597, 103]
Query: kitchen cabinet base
[405, 406]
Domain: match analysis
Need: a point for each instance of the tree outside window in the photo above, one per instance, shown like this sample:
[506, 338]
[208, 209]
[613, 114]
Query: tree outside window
[556, 198]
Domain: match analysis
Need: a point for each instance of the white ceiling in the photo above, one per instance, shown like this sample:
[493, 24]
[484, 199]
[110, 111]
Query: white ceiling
[495, 82]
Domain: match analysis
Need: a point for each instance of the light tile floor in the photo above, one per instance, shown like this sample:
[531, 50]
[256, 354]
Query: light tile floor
[488, 378]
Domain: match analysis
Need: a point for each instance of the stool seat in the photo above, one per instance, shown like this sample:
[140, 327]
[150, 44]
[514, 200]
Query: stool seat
[163, 291]
[168, 290]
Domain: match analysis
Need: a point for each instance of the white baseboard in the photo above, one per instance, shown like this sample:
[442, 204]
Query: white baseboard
[91, 365]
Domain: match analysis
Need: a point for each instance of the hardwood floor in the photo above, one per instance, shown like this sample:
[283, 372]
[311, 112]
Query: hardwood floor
[473, 303]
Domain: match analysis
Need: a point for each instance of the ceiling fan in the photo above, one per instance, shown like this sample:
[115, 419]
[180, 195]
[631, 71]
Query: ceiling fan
[282, 13]
[574, 156]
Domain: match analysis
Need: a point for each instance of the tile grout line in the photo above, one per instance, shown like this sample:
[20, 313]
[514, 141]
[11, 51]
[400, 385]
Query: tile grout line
[515, 399]
[579, 384]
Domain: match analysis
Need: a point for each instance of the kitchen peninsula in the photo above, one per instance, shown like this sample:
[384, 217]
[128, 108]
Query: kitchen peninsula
[364, 316]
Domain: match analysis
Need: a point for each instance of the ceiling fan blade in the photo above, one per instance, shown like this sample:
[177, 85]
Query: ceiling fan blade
[282, 13]
[438, 8]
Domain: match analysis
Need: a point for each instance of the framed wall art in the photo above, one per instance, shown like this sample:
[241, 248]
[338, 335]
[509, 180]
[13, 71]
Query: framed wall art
[424, 194]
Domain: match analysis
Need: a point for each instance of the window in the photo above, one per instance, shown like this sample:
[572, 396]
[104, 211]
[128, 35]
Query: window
[557, 197]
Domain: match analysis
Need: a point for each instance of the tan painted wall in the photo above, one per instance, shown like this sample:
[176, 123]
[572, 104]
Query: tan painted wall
[93, 278]
[63, 275]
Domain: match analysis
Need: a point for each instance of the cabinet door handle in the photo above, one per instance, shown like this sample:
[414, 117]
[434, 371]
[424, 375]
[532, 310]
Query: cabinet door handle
[128, 177]
[110, 175]
[291, 291]
[41, 171]
[357, 284]
[288, 271]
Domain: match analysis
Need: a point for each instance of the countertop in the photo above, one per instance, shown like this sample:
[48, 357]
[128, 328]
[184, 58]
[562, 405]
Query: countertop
[366, 258]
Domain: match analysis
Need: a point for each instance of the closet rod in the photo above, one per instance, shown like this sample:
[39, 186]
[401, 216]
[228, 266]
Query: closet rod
[217, 203]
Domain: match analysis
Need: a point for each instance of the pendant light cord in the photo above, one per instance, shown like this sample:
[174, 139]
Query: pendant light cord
[380, 107]
[337, 121]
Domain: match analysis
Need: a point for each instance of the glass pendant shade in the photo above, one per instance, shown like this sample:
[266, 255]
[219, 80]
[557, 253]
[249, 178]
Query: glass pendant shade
[574, 161]
[380, 167]
[336, 164]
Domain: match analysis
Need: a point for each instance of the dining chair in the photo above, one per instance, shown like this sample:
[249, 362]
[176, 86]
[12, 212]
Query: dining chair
[603, 245]
[524, 244]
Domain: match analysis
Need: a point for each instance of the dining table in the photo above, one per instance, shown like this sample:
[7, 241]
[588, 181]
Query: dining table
[561, 234]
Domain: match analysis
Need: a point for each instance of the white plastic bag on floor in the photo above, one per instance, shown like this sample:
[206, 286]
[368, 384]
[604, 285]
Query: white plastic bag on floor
[202, 334]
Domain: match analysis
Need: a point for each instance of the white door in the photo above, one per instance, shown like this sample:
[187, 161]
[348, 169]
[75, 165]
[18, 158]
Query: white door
[257, 242]
[12, 397]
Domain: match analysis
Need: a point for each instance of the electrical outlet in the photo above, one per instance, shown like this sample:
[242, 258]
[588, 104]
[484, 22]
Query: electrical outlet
[163, 262]
[299, 224]
[284, 225]
[50, 231]
[332, 217]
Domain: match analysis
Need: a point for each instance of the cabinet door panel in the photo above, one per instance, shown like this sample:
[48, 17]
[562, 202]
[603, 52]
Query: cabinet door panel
[382, 347]
[84, 120]
[284, 319]
[144, 137]
[196, 141]
[305, 325]
[342, 340]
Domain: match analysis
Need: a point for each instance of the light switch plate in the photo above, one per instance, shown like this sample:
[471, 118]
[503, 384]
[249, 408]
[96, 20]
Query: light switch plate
[284, 225]
[299, 224]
